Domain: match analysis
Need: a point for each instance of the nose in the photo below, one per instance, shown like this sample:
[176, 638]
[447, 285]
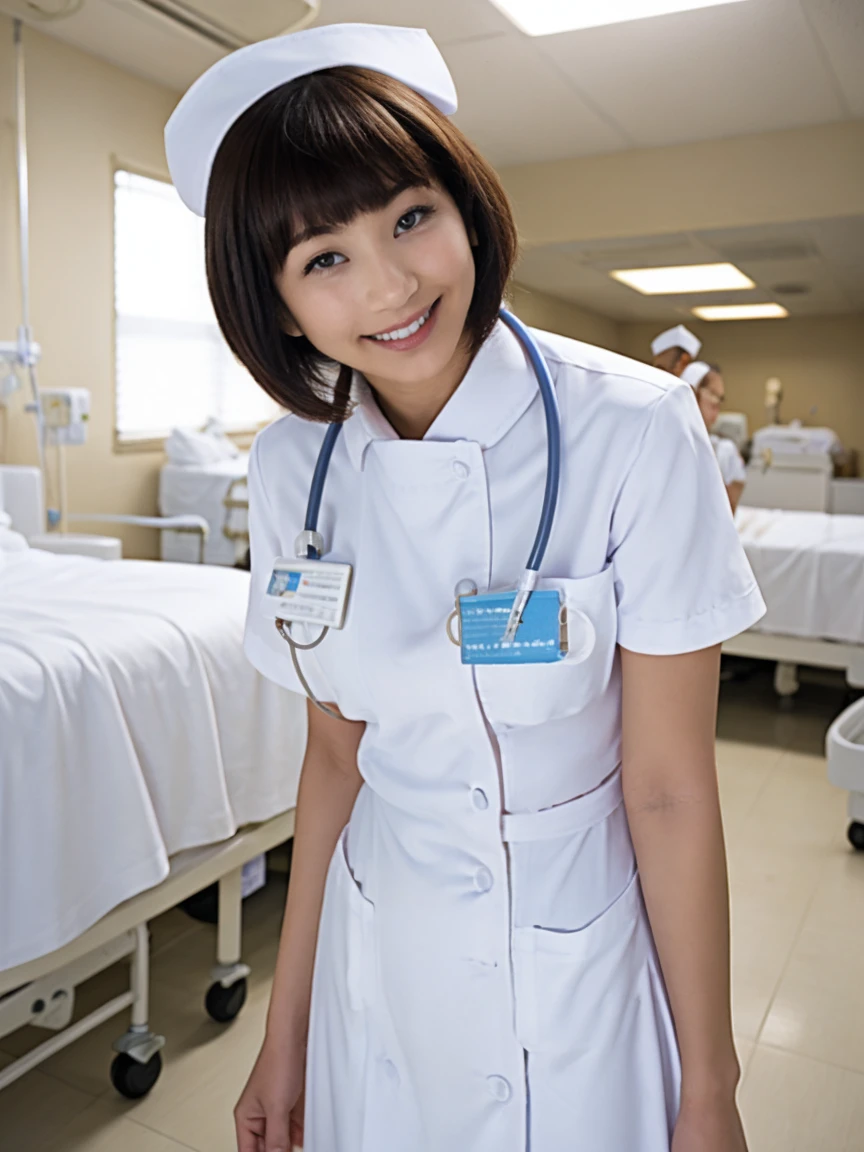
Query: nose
[389, 285]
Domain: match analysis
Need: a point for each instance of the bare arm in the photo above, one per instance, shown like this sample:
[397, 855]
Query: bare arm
[733, 491]
[671, 796]
[329, 783]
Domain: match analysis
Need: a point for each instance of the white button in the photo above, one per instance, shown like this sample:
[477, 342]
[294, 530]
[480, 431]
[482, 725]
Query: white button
[481, 800]
[462, 470]
[499, 1088]
[464, 588]
[483, 880]
[391, 1071]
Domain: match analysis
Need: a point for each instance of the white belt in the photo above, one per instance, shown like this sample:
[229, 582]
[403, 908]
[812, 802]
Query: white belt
[564, 819]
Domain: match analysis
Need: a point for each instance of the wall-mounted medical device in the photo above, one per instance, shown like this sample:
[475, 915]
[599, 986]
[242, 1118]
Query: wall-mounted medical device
[65, 412]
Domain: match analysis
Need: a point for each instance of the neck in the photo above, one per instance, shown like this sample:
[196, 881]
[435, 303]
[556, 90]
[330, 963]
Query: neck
[413, 408]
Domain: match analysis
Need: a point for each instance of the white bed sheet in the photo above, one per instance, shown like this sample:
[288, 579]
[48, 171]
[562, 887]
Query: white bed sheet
[131, 727]
[200, 490]
[810, 569]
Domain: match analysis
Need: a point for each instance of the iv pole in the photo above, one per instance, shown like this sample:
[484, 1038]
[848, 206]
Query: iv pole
[23, 353]
[28, 351]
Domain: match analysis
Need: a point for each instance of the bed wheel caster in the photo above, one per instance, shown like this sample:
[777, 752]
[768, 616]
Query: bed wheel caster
[133, 1079]
[855, 832]
[223, 1004]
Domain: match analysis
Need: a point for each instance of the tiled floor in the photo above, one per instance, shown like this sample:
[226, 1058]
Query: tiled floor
[798, 973]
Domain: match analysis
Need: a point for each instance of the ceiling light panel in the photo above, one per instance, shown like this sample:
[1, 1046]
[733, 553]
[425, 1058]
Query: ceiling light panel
[548, 17]
[684, 278]
[741, 312]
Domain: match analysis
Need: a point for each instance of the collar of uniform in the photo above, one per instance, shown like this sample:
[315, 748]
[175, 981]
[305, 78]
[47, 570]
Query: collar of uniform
[496, 390]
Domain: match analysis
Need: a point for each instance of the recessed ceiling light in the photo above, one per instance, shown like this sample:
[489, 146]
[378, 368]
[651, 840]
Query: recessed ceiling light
[546, 17]
[684, 278]
[741, 312]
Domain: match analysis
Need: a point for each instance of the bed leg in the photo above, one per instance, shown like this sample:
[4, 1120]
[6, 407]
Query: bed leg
[138, 1063]
[786, 679]
[227, 994]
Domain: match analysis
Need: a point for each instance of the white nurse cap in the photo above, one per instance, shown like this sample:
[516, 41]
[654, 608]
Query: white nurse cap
[695, 373]
[678, 337]
[202, 118]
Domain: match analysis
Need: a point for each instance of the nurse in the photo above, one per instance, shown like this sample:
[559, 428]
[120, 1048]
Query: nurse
[507, 923]
[707, 382]
[674, 349]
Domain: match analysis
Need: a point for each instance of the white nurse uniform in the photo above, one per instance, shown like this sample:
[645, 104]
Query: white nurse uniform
[486, 979]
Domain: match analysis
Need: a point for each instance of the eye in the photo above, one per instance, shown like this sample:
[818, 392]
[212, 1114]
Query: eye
[324, 262]
[410, 219]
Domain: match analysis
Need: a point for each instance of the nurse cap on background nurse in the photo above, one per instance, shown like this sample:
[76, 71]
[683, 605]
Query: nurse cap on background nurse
[674, 349]
[707, 382]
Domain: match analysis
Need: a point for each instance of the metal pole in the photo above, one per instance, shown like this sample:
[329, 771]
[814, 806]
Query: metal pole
[25, 335]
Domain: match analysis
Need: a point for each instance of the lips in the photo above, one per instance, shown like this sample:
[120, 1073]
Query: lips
[406, 330]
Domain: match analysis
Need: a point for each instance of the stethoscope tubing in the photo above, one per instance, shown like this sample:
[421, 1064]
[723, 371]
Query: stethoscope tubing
[553, 450]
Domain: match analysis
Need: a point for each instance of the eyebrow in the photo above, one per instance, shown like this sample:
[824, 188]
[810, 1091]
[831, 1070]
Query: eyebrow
[311, 231]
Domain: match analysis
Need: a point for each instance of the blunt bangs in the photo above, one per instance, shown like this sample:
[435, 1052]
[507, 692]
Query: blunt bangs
[312, 155]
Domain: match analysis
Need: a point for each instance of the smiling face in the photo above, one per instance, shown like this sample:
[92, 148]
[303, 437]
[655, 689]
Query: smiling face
[339, 208]
[387, 293]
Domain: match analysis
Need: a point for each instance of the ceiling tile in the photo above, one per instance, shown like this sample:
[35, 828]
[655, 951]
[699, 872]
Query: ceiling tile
[447, 21]
[839, 25]
[539, 117]
[827, 256]
[704, 74]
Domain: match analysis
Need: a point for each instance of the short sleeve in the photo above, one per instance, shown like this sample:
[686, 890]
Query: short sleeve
[731, 465]
[264, 647]
[681, 577]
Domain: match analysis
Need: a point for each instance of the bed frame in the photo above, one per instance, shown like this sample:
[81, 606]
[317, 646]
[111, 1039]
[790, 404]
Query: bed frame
[790, 651]
[42, 992]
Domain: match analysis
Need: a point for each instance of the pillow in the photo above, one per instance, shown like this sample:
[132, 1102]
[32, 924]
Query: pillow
[11, 541]
[189, 448]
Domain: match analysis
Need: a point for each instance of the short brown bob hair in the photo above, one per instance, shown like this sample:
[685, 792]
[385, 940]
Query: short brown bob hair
[317, 152]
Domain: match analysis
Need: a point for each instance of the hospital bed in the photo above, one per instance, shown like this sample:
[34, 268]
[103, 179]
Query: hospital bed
[141, 760]
[205, 475]
[792, 467]
[810, 569]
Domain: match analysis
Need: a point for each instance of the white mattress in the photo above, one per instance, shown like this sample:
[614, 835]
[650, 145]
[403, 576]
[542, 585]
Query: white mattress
[795, 439]
[131, 727]
[810, 568]
[201, 489]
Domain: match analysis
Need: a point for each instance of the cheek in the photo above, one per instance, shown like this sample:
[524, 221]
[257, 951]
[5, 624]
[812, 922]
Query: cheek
[447, 259]
[323, 313]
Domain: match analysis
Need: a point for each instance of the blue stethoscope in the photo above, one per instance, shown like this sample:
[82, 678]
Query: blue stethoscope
[310, 543]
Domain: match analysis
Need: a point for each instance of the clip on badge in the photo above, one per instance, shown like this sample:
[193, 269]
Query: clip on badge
[541, 637]
[310, 592]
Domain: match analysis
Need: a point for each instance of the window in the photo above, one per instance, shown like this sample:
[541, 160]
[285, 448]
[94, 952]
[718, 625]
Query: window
[173, 369]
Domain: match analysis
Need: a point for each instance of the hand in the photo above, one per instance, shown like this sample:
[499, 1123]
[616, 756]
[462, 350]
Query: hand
[709, 1126]
[269, 1114]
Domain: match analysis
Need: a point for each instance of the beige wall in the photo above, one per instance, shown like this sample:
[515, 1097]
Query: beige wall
[820, 361]
[81, 113]
[553, 314]
[774, 177]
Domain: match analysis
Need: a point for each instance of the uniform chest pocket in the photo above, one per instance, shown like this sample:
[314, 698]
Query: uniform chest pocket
[520, 695]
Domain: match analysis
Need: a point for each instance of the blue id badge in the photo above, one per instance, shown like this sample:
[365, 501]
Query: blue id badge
[541, 637]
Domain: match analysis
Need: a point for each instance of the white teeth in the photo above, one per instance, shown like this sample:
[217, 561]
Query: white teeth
[404, 333]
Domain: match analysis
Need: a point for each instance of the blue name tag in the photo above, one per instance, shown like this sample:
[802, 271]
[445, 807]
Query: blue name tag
[541, 638]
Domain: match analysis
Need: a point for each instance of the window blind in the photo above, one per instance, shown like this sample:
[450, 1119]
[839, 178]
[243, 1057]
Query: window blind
[173, 368]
